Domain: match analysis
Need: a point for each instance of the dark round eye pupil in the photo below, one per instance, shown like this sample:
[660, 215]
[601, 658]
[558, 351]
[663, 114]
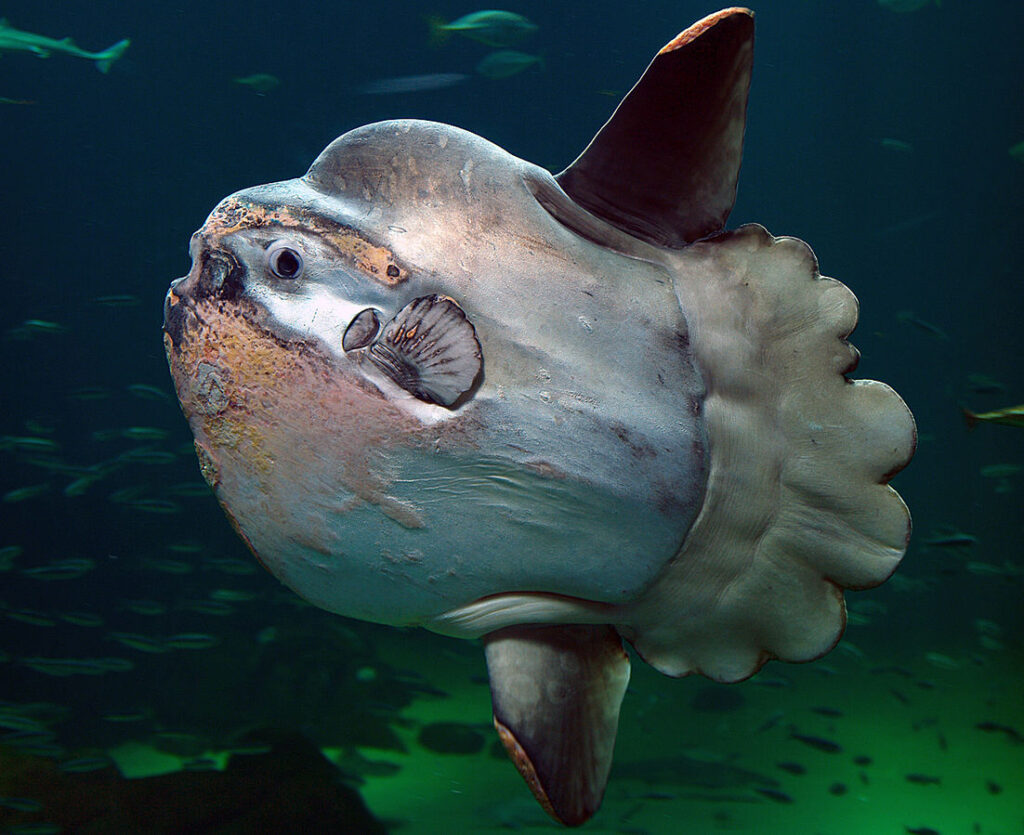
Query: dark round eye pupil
[286, 263]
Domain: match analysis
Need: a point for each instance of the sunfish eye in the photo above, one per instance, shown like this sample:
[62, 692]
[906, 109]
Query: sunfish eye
[285, 261]
[361, 330]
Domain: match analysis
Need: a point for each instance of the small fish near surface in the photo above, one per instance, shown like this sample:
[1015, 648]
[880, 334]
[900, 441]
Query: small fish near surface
[491, 27]
[260, 83]
[411, 83]
[818, 743]
[908, 317]
[1010, 416]
[14, 40]
[506, 63]
[450, 327]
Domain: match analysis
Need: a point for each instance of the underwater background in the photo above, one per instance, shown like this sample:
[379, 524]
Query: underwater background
[139, 639]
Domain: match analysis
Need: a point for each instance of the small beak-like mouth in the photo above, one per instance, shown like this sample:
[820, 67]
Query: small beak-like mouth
[215, 274]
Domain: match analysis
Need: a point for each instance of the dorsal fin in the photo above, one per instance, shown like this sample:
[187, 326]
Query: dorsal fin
[664, 167]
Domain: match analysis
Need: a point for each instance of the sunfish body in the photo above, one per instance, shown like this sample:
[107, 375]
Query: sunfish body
[433, 385]
[14, 40]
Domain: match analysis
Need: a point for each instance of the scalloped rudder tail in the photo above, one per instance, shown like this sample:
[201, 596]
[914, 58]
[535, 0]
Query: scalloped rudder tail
[798, 506]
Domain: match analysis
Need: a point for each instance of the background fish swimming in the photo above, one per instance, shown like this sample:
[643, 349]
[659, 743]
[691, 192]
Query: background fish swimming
[15, 40]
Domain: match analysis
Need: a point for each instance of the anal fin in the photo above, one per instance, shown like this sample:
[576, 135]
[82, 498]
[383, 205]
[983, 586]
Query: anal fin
[556, 692]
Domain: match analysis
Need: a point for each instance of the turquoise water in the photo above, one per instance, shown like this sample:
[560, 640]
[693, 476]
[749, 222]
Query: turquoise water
[882, 138]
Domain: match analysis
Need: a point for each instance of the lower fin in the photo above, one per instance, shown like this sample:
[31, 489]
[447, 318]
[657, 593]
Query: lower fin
[556, 692]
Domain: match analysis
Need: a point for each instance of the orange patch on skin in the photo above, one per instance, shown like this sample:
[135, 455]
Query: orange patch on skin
[255, 400]
[376, 262]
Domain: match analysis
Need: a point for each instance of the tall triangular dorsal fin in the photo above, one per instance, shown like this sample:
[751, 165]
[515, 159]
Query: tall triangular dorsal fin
[556, 692]
[664, 167]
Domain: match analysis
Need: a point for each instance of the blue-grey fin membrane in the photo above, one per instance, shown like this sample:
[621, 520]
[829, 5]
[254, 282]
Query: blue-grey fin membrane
[556, 692]
[430, 349]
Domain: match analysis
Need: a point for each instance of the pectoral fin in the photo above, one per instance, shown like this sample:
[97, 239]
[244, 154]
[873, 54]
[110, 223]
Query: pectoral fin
[556, 692]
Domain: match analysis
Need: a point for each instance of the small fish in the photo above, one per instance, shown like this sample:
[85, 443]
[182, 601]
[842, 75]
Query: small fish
[838, 789]
[951, 539]
[899, 696]
[62, 667]
[862, 760]
[148, 455]
[24, 494]
[507, 62]
[159, 506]
[816, 742]
[15, 40]
[923, 779]
[1011, 733]
[28, 443]
[773, 794]
[983, 626]
[143, 643]
[80, 486]
[42, 325]
[921, 830]
[30, 616]
[234, 595]
[148, 608]
[942, 661]
[118, 300]
[491, 27]
[144, 433]
[823, 710]
[985, 568]
[792, 768]
[1017, 151]
[411, 83]
[89, 393]
[260, 83]
[993, 787]
[20, 804]
[208, 607]
[1000, 470]
[83, 765]
[124, 718]
[908, 317]
[69, 569]
[191, 640]
[81, 618]
[144, 391]
[7, 100]
[166, 566]
[1010, 416]
[17, 722]
[897, 145]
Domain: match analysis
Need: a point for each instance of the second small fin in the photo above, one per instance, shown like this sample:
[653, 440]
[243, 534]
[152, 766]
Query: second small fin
[556, 692]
